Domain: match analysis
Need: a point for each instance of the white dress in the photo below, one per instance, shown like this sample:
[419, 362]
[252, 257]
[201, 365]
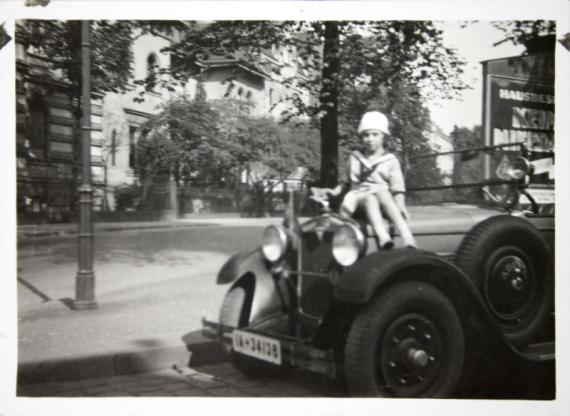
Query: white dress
[374, 174]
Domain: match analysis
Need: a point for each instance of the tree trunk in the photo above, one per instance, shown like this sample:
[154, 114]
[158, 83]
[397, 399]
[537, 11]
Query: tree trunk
[173, 193]
[329, 102]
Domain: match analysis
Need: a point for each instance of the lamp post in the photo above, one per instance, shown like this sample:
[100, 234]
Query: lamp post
[85, 278]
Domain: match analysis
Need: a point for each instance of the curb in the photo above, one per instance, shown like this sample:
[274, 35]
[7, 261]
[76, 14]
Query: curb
[200, 352]
[24, 235]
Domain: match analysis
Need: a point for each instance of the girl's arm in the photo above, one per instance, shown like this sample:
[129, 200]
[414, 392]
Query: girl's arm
[336, 191]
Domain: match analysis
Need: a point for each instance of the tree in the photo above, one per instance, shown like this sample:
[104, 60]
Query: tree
[212, 142]
[60, 41]
[334, 57]
[269, 153]
[468, 166]
[527, 32]
[180, 140]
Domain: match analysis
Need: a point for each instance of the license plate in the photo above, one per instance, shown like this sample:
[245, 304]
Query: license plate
[263, 348]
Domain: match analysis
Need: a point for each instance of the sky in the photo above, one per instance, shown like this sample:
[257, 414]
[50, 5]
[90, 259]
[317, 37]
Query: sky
[475, 44]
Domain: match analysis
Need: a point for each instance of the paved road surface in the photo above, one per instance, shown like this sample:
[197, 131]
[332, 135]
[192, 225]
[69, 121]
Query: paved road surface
[219, 380]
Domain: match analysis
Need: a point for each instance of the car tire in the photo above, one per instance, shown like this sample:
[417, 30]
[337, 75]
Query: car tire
[509, 262]
[406, 342]
[235, 313]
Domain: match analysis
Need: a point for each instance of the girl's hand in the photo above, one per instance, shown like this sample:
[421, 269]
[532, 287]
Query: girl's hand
[334, 192]
[320, 194]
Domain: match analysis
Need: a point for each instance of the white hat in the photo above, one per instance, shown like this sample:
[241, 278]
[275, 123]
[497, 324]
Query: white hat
[374, 120]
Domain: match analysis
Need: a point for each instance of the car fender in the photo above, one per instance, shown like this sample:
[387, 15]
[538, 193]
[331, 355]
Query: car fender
[362, 280]
[357, 283]
[238, 264]
[248, 268]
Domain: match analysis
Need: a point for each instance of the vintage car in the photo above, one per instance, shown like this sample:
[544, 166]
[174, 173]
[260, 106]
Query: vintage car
[319, 295]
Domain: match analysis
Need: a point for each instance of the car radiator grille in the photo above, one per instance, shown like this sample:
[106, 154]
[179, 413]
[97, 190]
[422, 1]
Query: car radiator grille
[317, 258]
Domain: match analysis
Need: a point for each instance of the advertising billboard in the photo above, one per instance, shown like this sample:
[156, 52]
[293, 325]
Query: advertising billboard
[519, 108]
[521, 112]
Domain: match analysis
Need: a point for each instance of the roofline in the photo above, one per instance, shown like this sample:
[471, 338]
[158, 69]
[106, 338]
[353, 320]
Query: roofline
[231, 62]
[515, 56]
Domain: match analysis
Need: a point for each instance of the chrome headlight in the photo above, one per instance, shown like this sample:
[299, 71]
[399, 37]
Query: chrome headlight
[347, 244]
[520, 167]
[274, 243]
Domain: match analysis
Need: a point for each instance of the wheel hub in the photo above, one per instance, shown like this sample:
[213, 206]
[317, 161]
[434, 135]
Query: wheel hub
[509, 285]
[418, 358]
[411, 352]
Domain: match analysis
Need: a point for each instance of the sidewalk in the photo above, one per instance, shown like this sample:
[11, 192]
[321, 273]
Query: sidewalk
[149, 309]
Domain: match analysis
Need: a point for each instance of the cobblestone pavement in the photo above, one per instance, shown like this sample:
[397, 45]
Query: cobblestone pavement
[219, 380]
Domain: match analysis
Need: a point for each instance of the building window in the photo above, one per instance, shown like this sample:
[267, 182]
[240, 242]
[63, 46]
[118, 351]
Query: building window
[132, 144]
[37, 135]
[152, 72]
[113, 147]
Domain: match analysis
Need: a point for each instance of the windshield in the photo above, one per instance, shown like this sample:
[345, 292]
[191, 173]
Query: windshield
[481, 175]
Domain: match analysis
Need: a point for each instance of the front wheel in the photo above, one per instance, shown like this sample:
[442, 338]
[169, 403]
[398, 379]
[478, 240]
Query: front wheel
[407, 342]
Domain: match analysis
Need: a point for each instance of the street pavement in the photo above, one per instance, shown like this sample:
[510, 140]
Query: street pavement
[154, 283]
[214, 380]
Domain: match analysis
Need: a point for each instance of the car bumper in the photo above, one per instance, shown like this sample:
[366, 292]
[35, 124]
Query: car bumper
[294, 352]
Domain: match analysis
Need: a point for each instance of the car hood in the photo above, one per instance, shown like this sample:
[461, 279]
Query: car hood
[445, 218]
[448, 218]
[439, 228]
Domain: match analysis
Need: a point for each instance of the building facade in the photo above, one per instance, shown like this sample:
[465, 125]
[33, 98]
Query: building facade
[48, 133]
[441, 142]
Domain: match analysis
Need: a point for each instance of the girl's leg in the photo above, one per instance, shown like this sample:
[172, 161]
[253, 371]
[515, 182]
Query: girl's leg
[349, 204]
[372, 208]
[387, 202]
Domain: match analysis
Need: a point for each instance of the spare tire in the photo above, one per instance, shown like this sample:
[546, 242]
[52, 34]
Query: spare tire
[510, 263]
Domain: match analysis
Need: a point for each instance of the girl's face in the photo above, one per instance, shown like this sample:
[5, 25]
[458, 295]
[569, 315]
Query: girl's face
[373, 140]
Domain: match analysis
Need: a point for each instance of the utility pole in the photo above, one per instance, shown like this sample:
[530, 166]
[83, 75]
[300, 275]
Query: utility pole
[85, 279]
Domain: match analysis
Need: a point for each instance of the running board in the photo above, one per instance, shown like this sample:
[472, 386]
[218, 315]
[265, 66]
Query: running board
[538, 352]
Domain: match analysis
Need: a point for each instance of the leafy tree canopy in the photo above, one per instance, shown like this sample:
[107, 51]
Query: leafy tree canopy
[111, 48]
[521, 32]
[332, 59]
[204, 140]
[182, 137]
[371, 53]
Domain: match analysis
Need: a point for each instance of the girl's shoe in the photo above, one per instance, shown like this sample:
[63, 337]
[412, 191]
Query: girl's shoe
[386, 244]
[410, 243]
